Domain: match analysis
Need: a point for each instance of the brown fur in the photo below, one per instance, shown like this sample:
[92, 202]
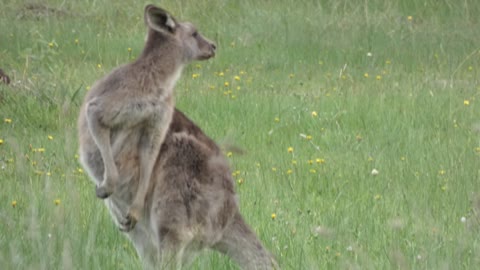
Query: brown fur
[190, 205]
[190, 202]
[132, 106]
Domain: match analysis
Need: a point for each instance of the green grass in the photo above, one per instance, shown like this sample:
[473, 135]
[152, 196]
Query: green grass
[415, 119]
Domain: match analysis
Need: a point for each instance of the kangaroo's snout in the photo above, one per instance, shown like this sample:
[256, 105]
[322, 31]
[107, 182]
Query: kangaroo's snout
[213, 49]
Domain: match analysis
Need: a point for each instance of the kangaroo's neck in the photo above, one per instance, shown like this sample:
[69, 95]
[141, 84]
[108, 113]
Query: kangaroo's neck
[160, 65]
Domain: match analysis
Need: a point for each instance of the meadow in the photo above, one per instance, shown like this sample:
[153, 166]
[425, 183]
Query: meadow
[358, 120]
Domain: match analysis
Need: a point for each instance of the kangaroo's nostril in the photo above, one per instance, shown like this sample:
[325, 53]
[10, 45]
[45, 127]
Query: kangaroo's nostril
[214, 47]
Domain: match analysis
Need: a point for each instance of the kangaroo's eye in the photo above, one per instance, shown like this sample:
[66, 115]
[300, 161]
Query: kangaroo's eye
[195, 34]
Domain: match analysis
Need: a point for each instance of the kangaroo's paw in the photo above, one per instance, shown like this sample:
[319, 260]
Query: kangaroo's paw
[130, 220]
[107, 187]
[103, 191]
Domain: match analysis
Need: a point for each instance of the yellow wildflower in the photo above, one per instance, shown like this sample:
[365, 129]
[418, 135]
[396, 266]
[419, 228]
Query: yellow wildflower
[410, 18]
[466, 102]
[277, 119]
[57, 201]
[1, 141]
[195, 75]
[320, 160]
[77, 41]
[290, 149]
[220, 74]
[7, 120]
[229, 154]
[365, 75]
[308, 137]
[314, 114]
[14, 204]
[273, 216]
[237, 78]
[289, 171]
[129, 49]
[378, 77]
[226, 84]
[50, 137]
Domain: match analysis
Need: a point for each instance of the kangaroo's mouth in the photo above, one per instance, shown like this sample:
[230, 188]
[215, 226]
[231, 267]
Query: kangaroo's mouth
[207, 56]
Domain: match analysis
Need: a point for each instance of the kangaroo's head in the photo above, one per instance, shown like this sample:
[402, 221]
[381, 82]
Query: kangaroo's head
[176, 37]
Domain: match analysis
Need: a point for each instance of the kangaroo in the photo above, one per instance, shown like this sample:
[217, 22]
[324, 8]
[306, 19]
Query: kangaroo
[190, 202]
[133, 105]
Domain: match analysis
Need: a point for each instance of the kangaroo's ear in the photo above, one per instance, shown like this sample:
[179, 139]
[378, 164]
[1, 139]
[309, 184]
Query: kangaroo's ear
[159, 19]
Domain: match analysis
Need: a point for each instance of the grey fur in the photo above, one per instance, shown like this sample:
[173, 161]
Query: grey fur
[189, 202]
[132, 106]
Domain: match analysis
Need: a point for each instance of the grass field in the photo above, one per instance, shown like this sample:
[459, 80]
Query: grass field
[360, 122]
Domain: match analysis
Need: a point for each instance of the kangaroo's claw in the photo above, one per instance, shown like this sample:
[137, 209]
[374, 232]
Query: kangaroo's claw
[129, 222]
